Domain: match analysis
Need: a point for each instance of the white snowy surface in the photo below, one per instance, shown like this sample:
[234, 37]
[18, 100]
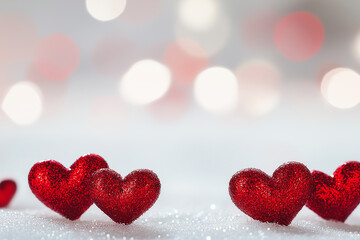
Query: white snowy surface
[208, 223]
[194, 175]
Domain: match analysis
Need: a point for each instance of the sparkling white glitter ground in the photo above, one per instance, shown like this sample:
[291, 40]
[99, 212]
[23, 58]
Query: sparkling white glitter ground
[194, 175]
[208, 223]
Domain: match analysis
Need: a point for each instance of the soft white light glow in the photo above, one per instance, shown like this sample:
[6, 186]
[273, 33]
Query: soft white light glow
[23, 103]
[341, 88]
[198, 14]
[212, 39]
[326, 80]
[145, 82]
[105, 10]
[356, 47]
[216, 90]
[259, 83]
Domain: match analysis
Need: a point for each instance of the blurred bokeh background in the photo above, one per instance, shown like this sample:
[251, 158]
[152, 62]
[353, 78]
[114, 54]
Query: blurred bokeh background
[192, 89]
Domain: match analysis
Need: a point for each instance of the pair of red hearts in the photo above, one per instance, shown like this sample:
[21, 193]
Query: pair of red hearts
[279, 198]
[7, 192]
[70, 192]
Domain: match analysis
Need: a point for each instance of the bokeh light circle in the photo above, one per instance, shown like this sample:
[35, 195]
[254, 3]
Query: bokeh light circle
[57, 57]
[212, 39]
[341, 88]
[216, 90]
[299, 35]
[54, 93]
[23, 103]
[6, 80]
[184, 66]
[259, 86]
[356, 47]
[146, 81]
[325, 68]
[140, 11]
[18, 37]
[257, 29]
[113, 55]
[198, 14]
[105, 10]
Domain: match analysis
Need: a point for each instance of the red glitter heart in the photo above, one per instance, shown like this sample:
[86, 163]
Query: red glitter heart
[7, 192]
[65, 191]
[275, 199]
[336, 197]
[124, 200]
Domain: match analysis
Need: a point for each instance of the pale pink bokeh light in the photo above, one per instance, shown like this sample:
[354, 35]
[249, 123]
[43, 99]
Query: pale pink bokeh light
[140, 11]
[299, 36]
[57, 57]
[18, 37]
[113, 54]
[183, 65]
[5, 80]
[257, 29]
[53, 92]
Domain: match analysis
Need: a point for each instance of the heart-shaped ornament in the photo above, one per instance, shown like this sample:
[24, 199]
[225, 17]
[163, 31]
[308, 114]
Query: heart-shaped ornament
[7, 192]
[336, 197]
[66, 191]
[275, 199]
[124, 199]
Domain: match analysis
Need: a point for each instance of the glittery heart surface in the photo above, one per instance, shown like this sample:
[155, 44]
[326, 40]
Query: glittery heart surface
[7, 192]
[124, 200]
[275, 199]
[66, 191]
[336, 197]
